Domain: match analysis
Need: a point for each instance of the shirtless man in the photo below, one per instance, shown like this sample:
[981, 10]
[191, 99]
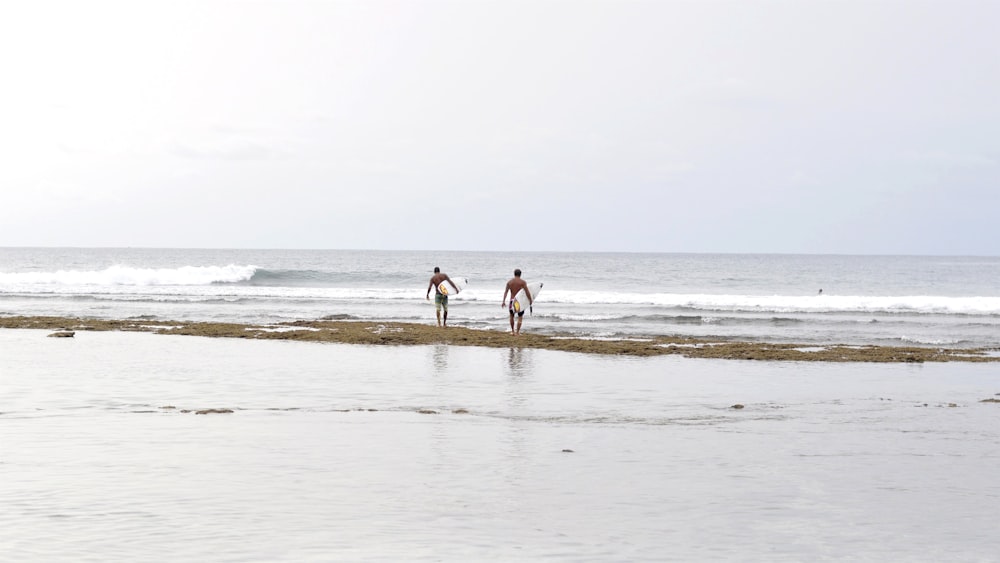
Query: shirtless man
[514, 285]
[440, 299]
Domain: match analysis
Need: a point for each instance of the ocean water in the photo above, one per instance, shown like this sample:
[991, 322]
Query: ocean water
[339, 452]
[913, 300]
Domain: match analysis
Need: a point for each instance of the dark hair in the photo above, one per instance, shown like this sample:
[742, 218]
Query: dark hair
[517, 272]
[436, 269]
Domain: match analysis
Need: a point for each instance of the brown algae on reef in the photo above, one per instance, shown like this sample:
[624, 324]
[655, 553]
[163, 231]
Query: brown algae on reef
[392, 333]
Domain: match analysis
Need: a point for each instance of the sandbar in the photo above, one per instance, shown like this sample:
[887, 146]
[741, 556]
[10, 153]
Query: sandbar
[397, 333]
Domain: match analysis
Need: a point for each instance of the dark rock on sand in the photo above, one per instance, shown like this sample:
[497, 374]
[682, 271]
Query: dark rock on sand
[62, 334]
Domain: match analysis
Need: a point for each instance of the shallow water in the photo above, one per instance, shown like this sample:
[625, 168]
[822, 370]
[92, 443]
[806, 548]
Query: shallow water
[328, 457]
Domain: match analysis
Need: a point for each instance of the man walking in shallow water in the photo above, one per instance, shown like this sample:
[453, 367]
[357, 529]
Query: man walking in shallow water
[514, 285]
[440, 299]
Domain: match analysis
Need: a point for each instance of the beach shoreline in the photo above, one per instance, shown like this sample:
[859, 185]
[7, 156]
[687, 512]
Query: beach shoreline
[409, 334]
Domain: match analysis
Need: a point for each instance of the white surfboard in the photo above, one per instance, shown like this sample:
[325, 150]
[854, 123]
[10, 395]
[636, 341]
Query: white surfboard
[521, 301]
[446, 289]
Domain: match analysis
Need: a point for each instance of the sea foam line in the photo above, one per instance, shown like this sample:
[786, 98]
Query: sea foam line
[119, 275]
[927, 304]
[227, 282]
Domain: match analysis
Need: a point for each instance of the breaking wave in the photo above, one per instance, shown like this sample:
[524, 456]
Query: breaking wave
[127, 276]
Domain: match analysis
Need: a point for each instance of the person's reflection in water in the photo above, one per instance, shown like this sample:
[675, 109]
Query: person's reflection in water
[440, 358]
[516, 439]
[520, 370]
[519, 362]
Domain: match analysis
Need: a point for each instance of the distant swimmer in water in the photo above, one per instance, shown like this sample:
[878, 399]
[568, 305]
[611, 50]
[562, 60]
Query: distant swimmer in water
[440, 299]
[820, 292]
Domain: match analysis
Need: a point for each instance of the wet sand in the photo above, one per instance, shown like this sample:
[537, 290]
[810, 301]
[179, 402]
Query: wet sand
[391, 333]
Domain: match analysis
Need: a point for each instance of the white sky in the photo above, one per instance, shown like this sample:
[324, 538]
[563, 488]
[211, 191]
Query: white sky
[678, 126]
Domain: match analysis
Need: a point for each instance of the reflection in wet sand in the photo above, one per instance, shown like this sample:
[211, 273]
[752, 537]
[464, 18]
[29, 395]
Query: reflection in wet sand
[519, 361]
[440, 357]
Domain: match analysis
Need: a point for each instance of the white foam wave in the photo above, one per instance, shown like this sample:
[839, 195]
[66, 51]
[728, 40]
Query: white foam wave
[930, 341]
[201, 282]
[126, 276]
[926, 304]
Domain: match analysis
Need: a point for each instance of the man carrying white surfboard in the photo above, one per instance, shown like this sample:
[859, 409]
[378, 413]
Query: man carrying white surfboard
[516, 285]
[440, 295]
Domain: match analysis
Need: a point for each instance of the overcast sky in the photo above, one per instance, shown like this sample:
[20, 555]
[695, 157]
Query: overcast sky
[677, 126]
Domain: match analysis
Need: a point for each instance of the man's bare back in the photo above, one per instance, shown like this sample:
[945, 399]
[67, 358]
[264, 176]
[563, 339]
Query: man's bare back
[515, 285]
[437, 278]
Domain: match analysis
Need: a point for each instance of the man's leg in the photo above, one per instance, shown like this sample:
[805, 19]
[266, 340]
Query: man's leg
[512, 322]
